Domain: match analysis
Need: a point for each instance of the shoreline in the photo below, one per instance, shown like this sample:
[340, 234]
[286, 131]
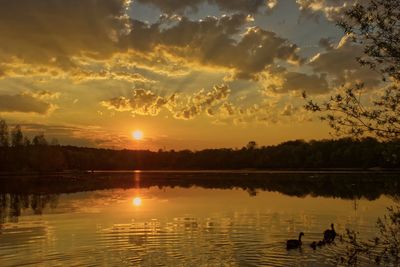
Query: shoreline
[205, 171]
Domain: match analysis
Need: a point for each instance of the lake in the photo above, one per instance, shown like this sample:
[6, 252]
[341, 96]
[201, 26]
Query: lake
[185, 218]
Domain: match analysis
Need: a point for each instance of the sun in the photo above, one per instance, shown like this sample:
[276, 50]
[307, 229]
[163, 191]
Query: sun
[137, 135]
[137, 201]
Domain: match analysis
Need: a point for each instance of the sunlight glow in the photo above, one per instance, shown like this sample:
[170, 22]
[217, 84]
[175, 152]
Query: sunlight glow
[137, 201]
[137, 135]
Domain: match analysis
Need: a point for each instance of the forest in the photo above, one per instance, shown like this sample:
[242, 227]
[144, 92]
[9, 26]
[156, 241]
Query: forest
[21, 154]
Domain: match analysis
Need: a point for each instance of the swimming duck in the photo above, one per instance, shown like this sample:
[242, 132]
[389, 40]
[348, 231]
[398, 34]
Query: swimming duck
[330, 234]
[294, 243]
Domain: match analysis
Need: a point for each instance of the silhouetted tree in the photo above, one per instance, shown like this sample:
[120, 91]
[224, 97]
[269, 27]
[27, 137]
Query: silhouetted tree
[39, 140]
[54, 142]
[383, 249]
[17, 139]
[298, 154]
[3, 134]
[27, 141]
[375, 26]
[251, 145]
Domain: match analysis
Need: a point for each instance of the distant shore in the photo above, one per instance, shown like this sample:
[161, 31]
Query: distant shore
[237, 171]
[341, 155]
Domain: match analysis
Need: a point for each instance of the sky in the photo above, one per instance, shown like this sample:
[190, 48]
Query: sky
[189, 74]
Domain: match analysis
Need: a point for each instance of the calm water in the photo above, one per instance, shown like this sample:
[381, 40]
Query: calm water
[176, 226]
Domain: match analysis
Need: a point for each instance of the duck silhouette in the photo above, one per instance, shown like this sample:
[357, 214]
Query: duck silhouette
[329, 235]
[294, 243]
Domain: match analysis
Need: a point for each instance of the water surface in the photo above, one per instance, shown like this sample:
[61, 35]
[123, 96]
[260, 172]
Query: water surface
[178, 226]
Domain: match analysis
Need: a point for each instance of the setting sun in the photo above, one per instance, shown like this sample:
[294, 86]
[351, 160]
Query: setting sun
[137, 201]
[137, 135]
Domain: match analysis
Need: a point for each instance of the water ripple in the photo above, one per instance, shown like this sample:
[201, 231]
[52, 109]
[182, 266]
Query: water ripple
[111, 233]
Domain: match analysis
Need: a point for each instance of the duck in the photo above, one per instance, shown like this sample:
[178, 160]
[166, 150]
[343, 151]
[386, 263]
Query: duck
[294, 243]
[329, 235]
[316, 244]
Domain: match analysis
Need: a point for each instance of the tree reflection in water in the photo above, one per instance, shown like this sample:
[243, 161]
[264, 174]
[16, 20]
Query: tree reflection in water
[18, 194]
[12, 205]
[338, 185]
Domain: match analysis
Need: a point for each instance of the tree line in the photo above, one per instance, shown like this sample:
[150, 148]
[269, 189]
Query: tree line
[19, 153]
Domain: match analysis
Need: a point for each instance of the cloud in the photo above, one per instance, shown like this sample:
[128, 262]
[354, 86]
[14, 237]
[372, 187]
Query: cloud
[85, 70]
[179, 6]
[26, 103]
[289, 110]
[227, 110]
[141, 102]
[203, 101]
[216, 103]
[97, 136]
[326, 43]
[80, 75]
[2, 72]
[340, 63]
[88, 136]
[331, 9]
[264, 112]
[43, 94]
[216, 42]
[296, 81]
[147, 103]
[52, 38]
[50, 31]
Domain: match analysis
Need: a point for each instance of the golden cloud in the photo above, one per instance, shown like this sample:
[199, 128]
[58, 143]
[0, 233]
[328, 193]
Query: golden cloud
[215, 103]
[147, 103]
[80, 40]
[331, 9]
[28, 102]
[216, 42]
